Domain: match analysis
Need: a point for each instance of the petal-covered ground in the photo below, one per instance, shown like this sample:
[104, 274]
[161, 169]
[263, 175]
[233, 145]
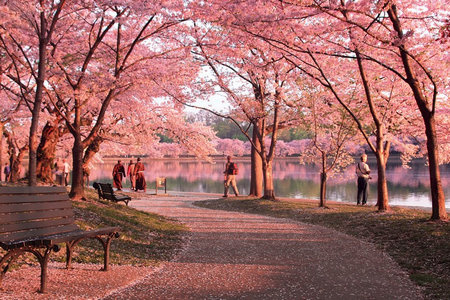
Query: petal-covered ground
[84, 281]
[232, 256]
[243, 256]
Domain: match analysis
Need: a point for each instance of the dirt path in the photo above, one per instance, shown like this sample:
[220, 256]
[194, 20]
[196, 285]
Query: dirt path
[242, 256]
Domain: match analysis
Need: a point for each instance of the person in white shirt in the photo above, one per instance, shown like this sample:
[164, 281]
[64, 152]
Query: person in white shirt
[362, 171]
[66, 171]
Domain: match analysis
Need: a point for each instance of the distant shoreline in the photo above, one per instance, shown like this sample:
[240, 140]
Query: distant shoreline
[393, 158]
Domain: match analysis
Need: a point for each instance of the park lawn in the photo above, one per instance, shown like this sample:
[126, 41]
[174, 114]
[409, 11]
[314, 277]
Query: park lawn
[420, 247]
[145, 238]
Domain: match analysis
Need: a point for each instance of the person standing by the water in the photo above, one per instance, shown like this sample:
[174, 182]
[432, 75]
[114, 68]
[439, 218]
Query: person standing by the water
[66, 171]
[362, 171]
[230, 177]
[7, 172]
[139, 176]
[130, 173]
[118, 173]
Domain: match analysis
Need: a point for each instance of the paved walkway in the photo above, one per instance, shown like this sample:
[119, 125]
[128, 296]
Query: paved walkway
[243, 256]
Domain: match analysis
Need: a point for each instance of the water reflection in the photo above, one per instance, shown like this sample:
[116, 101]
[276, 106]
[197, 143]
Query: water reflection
[406, 186]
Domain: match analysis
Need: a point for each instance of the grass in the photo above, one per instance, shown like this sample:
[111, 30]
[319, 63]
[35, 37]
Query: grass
[145, 238]
[420, 247]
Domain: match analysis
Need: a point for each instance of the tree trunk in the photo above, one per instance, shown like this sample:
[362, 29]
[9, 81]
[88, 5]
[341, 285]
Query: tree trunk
[46, 151]
[323, 181]
[1, 151]
[15, 162]
[77, 190]
[269, 192]
[256, 181]
[323, 189]
[437, 194]
[91, 150]
[37, 101]
[428, 115]
[15, 157]
[382, 194]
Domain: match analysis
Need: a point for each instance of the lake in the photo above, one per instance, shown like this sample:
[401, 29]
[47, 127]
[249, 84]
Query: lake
[409, 187]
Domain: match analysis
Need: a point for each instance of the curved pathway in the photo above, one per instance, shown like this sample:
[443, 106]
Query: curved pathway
[244, 256]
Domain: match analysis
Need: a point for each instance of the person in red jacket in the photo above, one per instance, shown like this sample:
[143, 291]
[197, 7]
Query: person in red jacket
[139, 176]
[130, 173]
[118, 173]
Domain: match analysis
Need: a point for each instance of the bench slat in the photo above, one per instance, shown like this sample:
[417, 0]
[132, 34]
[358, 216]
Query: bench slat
[82, 234]
[59, 238]
[17, 198]
[21, 216]
[32, 190]
[42, 206]
[39, 232]
[21, 226]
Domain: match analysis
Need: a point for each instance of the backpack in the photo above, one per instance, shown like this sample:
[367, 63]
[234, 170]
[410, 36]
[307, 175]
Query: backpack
[234, 168]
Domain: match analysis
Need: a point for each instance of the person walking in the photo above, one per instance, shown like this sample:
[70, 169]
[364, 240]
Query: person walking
[139, 176]
[7, 172]
[231, 170]
[118, 173]
[58, 174]
[362, 171]
[130, 173]
[66, 172]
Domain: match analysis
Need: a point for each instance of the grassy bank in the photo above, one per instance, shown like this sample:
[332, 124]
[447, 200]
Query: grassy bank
[420, 247]
[145, 238]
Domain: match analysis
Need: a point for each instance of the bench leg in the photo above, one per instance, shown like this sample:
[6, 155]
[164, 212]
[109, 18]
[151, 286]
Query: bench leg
[106, 243]
[69, 251]
[44, 263]
[69, 246]
[41, 257]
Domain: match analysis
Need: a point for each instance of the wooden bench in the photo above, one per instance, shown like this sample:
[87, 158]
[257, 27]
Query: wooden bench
[161, 182]
[36, 220]
[105, 191]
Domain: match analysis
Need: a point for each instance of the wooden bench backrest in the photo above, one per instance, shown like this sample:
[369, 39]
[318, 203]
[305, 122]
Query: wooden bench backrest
[107, 189]
[29, 212]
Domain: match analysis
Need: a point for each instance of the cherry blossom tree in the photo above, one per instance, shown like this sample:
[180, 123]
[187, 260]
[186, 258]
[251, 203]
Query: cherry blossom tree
[117, 58]
[255, 83]
[26, 32]
[138, 132]
[332, 130]
[406, 39]
[230, 147]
